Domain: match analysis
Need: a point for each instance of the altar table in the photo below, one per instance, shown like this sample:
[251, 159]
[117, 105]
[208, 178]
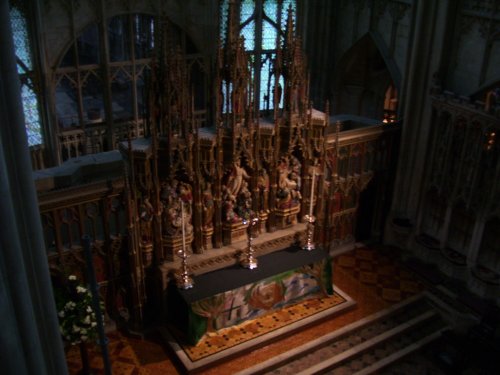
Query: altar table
[232, 295]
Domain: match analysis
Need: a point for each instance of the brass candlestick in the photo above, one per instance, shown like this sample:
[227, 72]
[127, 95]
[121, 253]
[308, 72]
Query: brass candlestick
[250, 261]
[310, 233]
[184, 281]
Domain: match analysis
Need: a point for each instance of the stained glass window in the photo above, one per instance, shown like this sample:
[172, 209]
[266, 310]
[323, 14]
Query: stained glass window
[267, 83]
[264, 21]
[21, 41]
[25, 70]
[223, 19]
[248, 32]
[269, 34]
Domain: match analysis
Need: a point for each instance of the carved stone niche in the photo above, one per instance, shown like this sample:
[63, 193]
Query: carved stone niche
[172, 244]
[287, 217]
[234, 232]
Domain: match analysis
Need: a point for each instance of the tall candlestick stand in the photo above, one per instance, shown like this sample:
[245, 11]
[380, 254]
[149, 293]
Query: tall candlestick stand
[184, 281]
[311, 200]
[310, 219]
[310, 233]
[250, 261]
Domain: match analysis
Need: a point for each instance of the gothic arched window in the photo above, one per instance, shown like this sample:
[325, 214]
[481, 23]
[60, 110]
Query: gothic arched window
[81, 97]
[26, 75]
[99, 90]
[262, 23]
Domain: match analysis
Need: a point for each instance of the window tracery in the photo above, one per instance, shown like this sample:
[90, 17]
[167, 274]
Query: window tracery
[262, 24]
[25, 69]
[100, 83]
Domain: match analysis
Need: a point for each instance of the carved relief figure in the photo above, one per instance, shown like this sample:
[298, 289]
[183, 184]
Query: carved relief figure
[263, 185]
[208, 206]
[146, 212]
[171, 195]
[229, 205]
[236, 177]
[244, 201]
[288, 194]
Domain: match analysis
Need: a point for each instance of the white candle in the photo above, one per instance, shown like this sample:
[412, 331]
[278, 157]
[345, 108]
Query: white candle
[183, 230]
[312, 195]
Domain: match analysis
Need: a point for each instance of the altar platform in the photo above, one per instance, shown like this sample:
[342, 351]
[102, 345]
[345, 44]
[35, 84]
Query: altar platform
[220, 315]
[227, 343]
[234, 294]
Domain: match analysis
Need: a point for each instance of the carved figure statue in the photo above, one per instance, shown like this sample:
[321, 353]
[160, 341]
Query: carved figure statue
[236, 177]
[171, 196]
[185, 193]
[208, 206]
[146, 212]
[263, 185]
[244, 201]
[288, 193]
[229, 205]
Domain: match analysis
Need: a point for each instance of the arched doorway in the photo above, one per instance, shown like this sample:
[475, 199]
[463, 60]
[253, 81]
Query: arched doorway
[365, 85]
[365, 214]
[489, 251]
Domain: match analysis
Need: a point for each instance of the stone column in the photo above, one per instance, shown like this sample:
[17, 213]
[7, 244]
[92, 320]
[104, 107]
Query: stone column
[30, 342]
[427, 41]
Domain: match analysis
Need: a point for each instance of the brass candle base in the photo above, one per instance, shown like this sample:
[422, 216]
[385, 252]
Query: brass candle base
[309, 245]
[183, 280]
[250, 261]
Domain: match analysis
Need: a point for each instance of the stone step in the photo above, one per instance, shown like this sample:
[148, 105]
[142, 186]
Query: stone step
[346, 346]
[384, 349]
[396, 356]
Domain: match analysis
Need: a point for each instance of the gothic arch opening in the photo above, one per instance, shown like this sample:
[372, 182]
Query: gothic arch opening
[489, 250]
[434, 213]
[366, 212]
[364, 84]
[460, 228]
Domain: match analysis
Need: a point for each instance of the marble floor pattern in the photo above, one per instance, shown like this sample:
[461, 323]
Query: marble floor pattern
[372, 277]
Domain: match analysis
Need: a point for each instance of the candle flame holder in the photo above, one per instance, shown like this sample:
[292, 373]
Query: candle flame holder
[250, 261]
[309, 245]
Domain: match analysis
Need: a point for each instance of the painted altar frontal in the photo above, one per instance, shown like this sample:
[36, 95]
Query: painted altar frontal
[233, 295]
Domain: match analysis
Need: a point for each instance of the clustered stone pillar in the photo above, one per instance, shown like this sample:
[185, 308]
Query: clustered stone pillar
[30, 342]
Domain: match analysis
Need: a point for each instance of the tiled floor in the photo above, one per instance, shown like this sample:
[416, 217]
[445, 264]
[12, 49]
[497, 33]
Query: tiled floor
[373, 278]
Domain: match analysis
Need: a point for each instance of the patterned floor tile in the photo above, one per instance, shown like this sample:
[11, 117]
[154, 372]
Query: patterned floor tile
[385, 275]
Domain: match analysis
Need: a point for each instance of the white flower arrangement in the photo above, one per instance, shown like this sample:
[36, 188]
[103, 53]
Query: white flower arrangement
[77, 319]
